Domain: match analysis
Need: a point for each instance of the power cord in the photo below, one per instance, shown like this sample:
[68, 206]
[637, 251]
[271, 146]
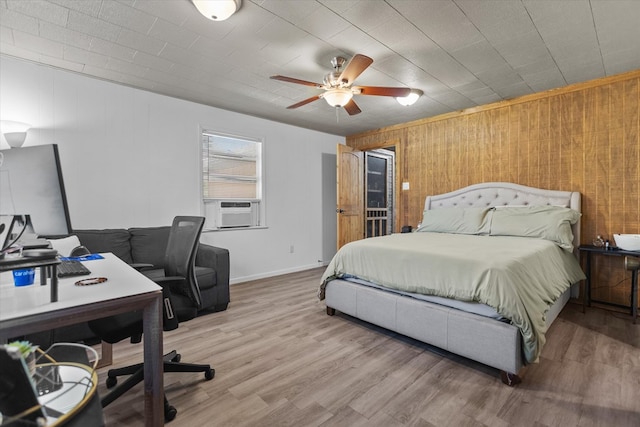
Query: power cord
[8, 249]
[616, 285]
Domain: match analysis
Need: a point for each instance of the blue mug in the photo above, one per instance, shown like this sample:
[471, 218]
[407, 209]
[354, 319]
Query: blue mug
[24, 277]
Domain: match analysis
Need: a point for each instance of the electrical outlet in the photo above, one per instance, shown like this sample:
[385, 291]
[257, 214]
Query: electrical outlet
[291, 249]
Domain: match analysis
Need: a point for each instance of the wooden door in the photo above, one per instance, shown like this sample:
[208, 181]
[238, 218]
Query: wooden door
[350, 194]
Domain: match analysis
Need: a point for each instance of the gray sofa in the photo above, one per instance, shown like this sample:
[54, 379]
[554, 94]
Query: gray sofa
[146, 245]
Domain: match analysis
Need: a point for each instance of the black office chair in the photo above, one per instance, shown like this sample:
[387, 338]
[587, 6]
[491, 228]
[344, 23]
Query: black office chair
[181, 297]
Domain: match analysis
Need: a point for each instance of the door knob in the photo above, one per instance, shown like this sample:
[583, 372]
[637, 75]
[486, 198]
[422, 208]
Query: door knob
[340, 210]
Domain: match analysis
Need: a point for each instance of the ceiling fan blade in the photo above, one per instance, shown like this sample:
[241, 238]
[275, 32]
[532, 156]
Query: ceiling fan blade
[383, 91]
[354, 68]
[352, 108]
[297, 81]
[305, 102]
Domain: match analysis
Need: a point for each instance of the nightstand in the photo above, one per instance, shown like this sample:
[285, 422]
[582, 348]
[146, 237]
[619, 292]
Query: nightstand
[590, 250]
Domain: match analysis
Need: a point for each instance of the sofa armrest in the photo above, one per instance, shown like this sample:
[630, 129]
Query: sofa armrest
[216, 258]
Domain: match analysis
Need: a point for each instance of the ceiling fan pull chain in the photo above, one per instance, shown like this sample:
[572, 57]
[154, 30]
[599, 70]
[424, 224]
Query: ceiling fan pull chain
[337, 115]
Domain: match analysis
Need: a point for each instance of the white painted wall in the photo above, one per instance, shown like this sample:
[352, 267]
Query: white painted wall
[131, 158]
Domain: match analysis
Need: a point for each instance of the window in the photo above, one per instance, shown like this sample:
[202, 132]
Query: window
[231, 180]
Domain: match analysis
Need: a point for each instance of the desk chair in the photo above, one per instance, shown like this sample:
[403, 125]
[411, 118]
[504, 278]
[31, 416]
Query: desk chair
[181, 298]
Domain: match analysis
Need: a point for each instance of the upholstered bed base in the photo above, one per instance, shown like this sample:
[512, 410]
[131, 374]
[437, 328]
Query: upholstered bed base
[485, 340]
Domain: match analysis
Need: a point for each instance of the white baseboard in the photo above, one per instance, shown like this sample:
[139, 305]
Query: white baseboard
[237, 280]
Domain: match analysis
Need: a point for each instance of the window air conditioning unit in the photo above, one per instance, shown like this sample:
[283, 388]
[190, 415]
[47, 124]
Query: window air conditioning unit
[237, 214]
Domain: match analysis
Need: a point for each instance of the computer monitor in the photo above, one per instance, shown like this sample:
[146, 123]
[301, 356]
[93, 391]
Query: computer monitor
[31, 184]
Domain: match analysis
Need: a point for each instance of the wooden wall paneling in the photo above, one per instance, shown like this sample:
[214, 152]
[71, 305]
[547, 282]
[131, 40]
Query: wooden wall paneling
[617, 173]
[555, 127]
[474, 153]
[631, 166]
[522, 117]
[427, 175]
[399, 203]
[487, 148]
[617, 177]
[441, 178]
[577, 142]
[583, 137]
[447, 153]
[620, 176]
[434, 141]
[454, 142]
[462, 131]
[602, 161]
[563, 174]
[632, 139]
[426, 179]
[533, 133]
[544, 144]
[445, 149]
[416, 173]
[589, 201]
[602, 206]
[455, 174]
[505, 144]
[603, 183]
[618, 292]
[512, 144]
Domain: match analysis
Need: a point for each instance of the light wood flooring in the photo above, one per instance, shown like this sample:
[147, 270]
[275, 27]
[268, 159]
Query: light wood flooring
[281, 361]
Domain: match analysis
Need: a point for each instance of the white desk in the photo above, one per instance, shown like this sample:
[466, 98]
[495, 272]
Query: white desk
[25, 310]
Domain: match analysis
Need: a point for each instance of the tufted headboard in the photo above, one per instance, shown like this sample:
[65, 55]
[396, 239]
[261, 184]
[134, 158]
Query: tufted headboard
[507, 194]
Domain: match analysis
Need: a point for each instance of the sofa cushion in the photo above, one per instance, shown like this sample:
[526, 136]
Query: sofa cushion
[113, 240]
[149, 244]
[206, 277]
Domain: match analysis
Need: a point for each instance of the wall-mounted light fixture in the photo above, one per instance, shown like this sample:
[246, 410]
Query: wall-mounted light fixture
[411, 98]
[217, 10]
[14, 132]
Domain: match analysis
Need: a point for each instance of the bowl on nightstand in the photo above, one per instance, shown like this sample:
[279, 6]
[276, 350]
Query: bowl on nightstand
[628, 242]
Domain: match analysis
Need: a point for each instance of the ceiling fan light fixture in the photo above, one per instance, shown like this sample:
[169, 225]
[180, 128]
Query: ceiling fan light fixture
[217, 10]
[338, 97]
[411, 98]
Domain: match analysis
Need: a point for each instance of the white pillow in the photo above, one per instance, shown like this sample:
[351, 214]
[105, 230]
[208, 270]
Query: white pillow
[65, 245]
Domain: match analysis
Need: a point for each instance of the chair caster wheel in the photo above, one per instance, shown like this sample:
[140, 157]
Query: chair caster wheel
[111, 382]
[208, 375]
[170, 413]
[176, 358]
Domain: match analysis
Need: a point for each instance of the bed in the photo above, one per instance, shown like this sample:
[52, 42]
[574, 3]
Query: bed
[486, 274]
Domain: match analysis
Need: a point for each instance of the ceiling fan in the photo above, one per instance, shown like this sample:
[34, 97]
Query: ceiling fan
[338, 85]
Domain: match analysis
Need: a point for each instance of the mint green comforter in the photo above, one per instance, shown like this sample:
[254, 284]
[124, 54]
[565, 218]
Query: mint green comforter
[519, 277]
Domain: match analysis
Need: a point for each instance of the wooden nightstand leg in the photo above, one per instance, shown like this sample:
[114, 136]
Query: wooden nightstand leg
[586, 298]
[634, 295]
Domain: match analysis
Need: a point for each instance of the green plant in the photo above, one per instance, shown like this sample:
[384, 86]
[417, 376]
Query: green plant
[25, 347]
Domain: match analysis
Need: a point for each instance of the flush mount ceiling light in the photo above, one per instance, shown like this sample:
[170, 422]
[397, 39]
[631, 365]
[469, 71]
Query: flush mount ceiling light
[411, 98]
[217, 10]
[14, 132]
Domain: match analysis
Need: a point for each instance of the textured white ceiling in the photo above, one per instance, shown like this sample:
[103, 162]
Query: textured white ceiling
[461, 53]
